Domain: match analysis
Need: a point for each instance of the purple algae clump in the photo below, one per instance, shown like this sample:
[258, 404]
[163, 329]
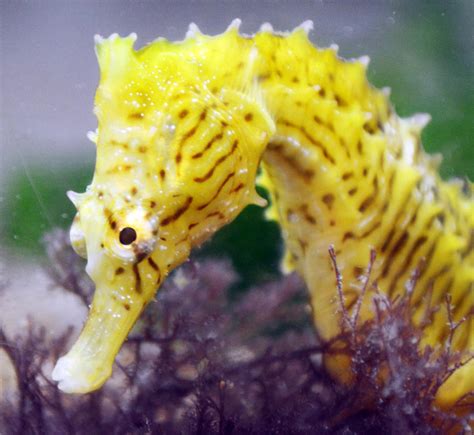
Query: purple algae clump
[201, 361]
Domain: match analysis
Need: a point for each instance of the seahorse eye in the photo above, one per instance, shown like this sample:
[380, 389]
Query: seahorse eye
[127, 236]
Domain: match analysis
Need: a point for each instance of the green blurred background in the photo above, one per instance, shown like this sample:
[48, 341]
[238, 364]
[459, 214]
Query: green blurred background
[423, 50]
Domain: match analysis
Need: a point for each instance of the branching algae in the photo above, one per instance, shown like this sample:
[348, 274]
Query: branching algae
[182, 129]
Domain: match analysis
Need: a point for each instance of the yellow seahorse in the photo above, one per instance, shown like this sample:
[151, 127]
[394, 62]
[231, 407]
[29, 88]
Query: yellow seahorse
[182, 129]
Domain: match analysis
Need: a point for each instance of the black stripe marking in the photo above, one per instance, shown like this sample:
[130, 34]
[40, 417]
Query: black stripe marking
[138, 280]
[369, 230]
[216, 164]
[153, 264]
[433, 278]
[392, 232]
[420, 241]
[389, 259]
[350, 302]
[239, 186]
[311, 139]
[215, 213]
[469, 246]
[178, 213]
[307, 215]
[203, 206]
[184, 138]
[467, 292]
[209, 145]
[347, 175]
[370, 199]
[328, 199]
[293, 163]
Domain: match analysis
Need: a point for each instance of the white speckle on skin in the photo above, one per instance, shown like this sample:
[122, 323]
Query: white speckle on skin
[234, 25]
[364, 60]
[92, 135]
[266, 27]
[98, 40]
[75, 198]
[420, 120]
[193, 31]
[307, 26]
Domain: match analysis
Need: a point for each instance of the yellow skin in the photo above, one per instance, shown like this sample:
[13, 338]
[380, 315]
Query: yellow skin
[182, 130]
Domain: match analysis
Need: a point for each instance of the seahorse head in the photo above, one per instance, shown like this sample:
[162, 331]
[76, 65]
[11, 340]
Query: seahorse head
[177, 154]
[116, 230]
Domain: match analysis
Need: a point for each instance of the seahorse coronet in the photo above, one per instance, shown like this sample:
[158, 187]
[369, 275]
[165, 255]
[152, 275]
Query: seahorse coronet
[183, 128]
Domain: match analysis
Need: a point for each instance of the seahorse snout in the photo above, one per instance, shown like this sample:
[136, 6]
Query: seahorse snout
[77, 376]
[89, 362]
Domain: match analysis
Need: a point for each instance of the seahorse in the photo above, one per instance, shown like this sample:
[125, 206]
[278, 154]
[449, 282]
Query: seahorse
[183, 128]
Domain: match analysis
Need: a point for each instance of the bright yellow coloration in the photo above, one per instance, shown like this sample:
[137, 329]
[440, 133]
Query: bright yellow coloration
[182, 129]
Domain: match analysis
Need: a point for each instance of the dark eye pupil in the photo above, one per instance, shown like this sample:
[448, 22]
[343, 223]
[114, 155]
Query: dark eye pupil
[127, 236]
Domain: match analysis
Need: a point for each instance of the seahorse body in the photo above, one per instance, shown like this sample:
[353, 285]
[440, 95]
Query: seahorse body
[182, 129]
